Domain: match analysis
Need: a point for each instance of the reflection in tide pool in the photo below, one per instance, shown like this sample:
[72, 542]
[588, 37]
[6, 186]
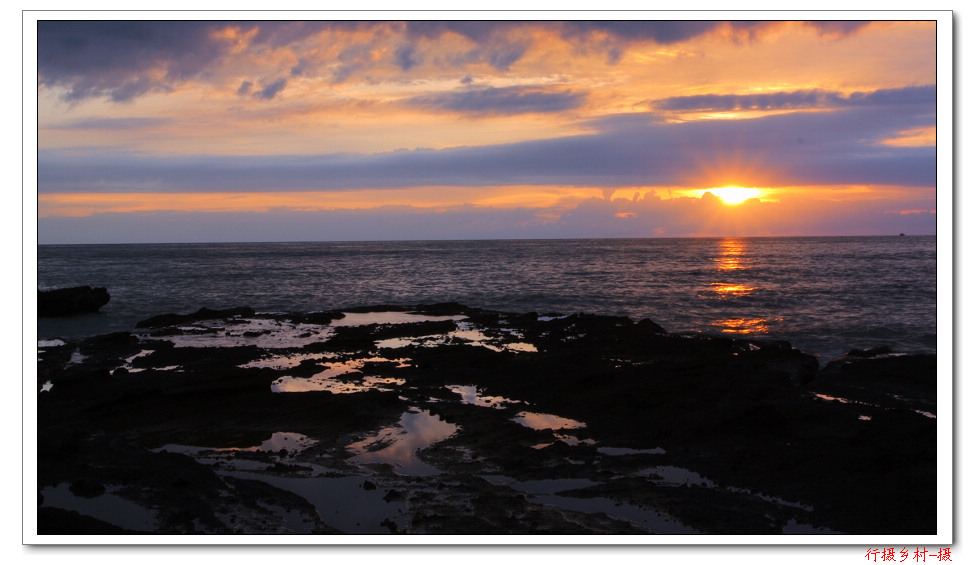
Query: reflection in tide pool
[327, 380]
[398, 445]
[108, 507]
[466, 333]
[614, 451]
[291, 442]
[282, 362]
[470, 394]
[676, 476]
[262, 332]
[545, 492]
[538, 421]
[366, 318]
[341, 502]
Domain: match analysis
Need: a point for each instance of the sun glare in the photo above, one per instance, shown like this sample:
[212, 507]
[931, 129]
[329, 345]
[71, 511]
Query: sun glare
[735, 194]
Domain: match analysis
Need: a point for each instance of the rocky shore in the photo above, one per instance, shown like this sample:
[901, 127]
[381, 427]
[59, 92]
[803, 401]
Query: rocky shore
[444, 419]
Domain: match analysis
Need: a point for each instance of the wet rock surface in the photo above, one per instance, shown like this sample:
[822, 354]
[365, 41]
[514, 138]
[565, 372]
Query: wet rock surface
[443, 419]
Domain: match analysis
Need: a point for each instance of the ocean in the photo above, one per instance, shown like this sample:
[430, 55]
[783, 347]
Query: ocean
[825, 295]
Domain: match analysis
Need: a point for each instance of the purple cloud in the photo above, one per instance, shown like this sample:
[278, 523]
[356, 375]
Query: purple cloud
[271, 90]
[506, 100]
[842, 146]
[800, 99]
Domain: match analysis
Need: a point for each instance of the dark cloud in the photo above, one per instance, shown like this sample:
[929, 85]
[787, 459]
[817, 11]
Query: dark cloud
[245, 87]
[112, 124]
[477, 31]
[121, 60]
[271, 90]
[506, 100]
[800, 99]
[406, 57]
[657, 31]
[117, 58]
[837, 28]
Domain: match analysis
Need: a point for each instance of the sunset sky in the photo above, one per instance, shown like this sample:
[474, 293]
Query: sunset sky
[152, 131]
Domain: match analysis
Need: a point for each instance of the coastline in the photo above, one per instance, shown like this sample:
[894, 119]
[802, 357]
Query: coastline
[447, 419]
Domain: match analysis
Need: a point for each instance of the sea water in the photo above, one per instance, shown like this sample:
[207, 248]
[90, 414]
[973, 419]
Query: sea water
[826, 295]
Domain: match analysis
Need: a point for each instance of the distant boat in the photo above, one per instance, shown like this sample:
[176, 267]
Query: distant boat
[901, 235]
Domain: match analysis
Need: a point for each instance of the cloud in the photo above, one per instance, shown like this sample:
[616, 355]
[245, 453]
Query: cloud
[245, 87]
[506, 100]
[644, 215]
[271, 90]
[916, 95]
[837, 28]
[662, 32]
[111, 124]
[406, 57]
[121, 59]
[841, 147]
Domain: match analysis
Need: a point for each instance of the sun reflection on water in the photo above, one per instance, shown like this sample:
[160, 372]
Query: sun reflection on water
[743, 326]
[732, 255]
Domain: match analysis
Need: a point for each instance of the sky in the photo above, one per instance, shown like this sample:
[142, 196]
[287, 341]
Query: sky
[179, 131]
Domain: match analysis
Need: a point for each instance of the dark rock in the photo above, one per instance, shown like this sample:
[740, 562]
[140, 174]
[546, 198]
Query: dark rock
[743, 413]
[387, 523]
[649, 325]
[201, 314]
[71, 301]
[442, 309]
[319, 318]
[86, 488]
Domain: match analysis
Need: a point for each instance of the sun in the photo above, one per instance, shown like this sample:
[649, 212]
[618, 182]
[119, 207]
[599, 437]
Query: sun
[735, 194]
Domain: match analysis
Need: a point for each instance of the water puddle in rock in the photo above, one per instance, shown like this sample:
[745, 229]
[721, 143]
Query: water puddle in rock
[841, 400]
[545, 492]
[288, 361]
[328, 379]
[398, 445]
[539, 486]
[76, 358]
[108, 507]
[654, 521]
[539, 421]
[793, 528]
[470, 394]
[264, 333]
[341, 502]
[465, 333]
[675, 476]
[367, 318]
[614, 451]
[291, 442]
[572, 441]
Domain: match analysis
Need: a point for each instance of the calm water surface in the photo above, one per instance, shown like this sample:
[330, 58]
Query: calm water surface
[825, 295]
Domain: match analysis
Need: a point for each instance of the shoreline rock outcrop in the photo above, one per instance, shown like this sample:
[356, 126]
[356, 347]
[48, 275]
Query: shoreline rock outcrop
[71, 301]
[635, 430]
